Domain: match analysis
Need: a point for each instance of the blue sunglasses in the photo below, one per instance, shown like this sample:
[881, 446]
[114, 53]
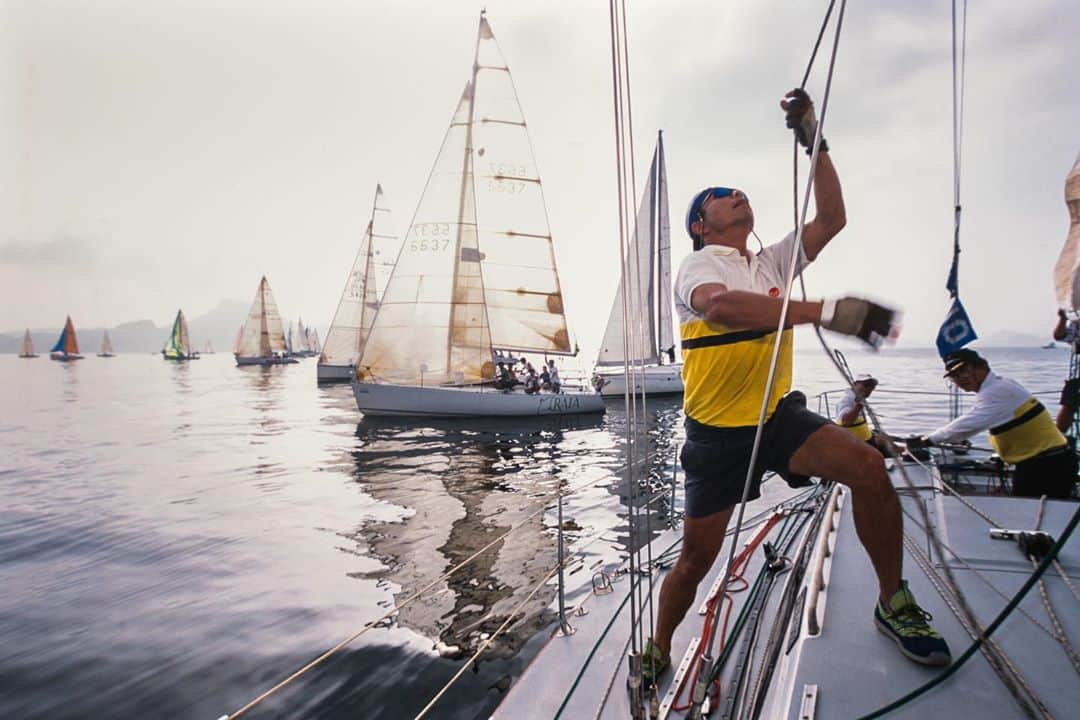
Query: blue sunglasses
[695, 213]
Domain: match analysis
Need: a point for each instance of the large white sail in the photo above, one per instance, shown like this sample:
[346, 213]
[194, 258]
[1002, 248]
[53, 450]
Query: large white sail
[355, 312]
[521, 284]
[262, 334]
[477, 267]
[413, 340]
[106, 345]
[1067, 268]
[647, 279]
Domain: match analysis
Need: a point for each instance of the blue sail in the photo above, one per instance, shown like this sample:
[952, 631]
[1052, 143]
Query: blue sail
[59, 346]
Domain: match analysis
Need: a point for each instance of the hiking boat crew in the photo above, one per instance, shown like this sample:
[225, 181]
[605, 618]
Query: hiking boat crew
[729, 302]
[1021, 429]
[851, 416]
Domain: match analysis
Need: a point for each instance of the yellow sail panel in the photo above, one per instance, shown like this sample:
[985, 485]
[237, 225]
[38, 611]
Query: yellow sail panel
[250, 343]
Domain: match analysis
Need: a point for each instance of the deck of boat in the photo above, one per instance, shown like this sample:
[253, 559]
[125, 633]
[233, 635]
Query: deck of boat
[852, 668]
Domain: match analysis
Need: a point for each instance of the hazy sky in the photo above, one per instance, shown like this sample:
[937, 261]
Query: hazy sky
[156, 155]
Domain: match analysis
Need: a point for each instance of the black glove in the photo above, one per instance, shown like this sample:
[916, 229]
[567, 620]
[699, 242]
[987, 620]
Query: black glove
[866, 320]
[801, 119]
[918, 442]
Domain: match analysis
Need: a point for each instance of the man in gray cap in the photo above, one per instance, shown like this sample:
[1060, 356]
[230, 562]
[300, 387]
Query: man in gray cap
[1021, 430]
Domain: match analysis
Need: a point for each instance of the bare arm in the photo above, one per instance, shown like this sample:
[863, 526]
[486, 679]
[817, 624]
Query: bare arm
[851, 415]
[829, 200]
[749, 311]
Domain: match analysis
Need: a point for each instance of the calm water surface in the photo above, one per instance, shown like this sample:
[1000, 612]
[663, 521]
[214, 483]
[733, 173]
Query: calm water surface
[175, 538]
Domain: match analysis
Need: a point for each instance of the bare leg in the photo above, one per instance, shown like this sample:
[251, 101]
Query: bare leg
[833, 453]
[1065, 418]
[702, 538]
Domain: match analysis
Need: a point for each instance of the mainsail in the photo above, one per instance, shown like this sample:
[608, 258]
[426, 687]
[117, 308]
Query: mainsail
[359, 302]
[302, 337]
[1067, 268]
[179, 344]
[262, 334]
[27, 347]
[106, 345]
[646, 278]
[67, 343]
[477, 267]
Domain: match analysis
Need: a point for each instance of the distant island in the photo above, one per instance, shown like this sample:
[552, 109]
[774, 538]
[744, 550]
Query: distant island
[218, 326]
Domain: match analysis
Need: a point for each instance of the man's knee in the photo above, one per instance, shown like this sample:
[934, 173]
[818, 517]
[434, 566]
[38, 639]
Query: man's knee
[866, 471]
[694, 566]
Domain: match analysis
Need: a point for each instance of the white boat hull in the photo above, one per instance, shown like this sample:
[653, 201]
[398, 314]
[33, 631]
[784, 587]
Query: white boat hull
[335, 373]
[653, 380]
[378, 399]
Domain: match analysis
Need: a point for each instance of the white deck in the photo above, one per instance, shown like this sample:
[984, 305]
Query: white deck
[856, 669]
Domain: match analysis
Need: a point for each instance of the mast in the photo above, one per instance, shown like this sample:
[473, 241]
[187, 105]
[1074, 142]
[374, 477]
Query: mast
[466, 183]
[264, 332]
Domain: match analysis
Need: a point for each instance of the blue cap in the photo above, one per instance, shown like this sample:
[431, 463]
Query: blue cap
[693, 213]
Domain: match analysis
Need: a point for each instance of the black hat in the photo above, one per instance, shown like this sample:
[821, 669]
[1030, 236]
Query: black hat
[961, 358]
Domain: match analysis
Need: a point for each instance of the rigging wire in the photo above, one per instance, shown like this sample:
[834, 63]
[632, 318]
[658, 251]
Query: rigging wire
[700, 689]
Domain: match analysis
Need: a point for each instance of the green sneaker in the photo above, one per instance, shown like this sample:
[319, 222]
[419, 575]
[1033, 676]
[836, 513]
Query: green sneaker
[908, 625]
[653, 663]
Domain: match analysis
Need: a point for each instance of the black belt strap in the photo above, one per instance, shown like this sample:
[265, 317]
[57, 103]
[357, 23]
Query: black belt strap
[725, 339]
[1017, 421]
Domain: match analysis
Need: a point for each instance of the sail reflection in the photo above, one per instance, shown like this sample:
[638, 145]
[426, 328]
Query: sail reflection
[462, 484]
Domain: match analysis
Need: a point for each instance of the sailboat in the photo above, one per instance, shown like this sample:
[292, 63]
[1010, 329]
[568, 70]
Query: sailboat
[262, 339]
[355, 312]
[26, 349]
[302, 346]
[67, 345]
[209, 349]
[646, 280]
[476, 273]
[178, 346]
[106, 346]
[313, 341]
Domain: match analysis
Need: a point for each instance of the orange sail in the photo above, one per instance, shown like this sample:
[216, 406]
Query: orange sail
[71, 344]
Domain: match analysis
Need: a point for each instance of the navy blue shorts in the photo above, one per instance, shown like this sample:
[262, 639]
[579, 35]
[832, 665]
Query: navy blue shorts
[715, 460]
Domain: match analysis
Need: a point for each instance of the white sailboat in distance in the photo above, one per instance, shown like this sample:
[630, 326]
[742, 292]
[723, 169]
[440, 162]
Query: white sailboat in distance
[26, 349]
[106, 350]
[647, 324]
[359, 302]
[476, 276]
[262, 339]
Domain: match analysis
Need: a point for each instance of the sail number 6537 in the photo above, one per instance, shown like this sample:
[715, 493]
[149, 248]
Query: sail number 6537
[430, 237]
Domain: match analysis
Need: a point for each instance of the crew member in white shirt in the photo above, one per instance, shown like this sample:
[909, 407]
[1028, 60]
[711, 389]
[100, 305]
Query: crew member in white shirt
[1021, 430]
[850, 414]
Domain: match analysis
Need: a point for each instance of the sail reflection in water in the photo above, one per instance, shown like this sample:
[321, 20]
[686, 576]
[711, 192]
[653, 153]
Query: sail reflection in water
[464, 483]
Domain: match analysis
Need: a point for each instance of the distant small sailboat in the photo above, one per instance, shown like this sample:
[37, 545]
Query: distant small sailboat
[26, 350]
[106, 346]
[302, 347]
[209, 349]
[1050, 345]
[262, 339]
[355, 313]
[313, 341]
[67, 345]
[178, 346]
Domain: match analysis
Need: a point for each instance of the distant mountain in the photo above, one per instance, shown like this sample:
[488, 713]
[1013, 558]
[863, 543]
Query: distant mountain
[219, 326]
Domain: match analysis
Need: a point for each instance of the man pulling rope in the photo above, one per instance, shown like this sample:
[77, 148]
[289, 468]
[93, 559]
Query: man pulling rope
[729, 302]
